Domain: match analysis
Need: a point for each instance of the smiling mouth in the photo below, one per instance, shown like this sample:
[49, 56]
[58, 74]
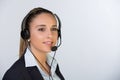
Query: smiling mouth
[49, 43]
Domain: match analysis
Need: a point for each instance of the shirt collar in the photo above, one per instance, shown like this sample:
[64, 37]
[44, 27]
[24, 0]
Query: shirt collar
[31, 61]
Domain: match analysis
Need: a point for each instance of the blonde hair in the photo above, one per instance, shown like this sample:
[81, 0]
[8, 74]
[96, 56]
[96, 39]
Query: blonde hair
[23, 46]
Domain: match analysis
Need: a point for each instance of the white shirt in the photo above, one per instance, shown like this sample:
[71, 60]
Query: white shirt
[31, 61]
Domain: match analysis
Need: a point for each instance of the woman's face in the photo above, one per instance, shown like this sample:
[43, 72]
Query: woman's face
[43, 32]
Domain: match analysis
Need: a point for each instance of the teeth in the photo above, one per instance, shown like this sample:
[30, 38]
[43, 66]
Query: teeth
[48, 42]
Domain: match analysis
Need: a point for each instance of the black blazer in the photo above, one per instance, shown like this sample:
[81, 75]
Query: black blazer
[18, 71]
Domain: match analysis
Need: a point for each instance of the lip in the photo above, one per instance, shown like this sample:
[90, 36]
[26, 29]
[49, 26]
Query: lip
[49, 43]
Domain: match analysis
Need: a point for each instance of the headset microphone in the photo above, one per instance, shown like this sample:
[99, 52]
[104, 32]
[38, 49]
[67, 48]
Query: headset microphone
[54, 48]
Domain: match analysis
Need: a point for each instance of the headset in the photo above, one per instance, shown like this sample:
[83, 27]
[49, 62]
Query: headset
[25, 33]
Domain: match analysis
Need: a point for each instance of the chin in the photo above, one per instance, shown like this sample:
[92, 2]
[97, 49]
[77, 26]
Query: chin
[47, 51]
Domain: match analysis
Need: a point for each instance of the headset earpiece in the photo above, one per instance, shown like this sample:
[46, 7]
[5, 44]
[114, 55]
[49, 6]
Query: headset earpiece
[59, 26]
[25, 34]
[59, 33]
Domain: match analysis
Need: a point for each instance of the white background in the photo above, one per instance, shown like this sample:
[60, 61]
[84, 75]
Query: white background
[90, 35]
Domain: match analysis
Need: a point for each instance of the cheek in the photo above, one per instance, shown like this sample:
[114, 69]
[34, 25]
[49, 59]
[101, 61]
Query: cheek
[56, 38]
[36, 41]
[36, 37]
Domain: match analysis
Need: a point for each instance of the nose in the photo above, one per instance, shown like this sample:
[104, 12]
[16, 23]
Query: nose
[49, 34]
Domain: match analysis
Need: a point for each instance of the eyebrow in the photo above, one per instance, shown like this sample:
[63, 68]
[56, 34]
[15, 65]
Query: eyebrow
[43, 25]
[54, 26]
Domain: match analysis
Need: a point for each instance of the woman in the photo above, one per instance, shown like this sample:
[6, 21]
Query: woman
[39, 35]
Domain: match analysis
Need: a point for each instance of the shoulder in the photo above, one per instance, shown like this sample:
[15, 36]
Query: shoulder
[14, 72]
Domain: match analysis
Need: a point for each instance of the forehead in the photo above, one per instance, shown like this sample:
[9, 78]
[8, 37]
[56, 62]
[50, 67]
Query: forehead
[44, 18]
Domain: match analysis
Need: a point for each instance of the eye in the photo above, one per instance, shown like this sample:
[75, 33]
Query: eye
[54, 29]
[41, 29]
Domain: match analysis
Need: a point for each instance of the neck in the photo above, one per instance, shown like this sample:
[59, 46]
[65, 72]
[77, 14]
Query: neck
[41, 59]
[40, 56]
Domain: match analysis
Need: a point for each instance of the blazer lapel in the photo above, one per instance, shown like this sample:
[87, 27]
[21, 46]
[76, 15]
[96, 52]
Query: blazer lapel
[34, 73]
[29, 73]
[59, 73]
[22, 68]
